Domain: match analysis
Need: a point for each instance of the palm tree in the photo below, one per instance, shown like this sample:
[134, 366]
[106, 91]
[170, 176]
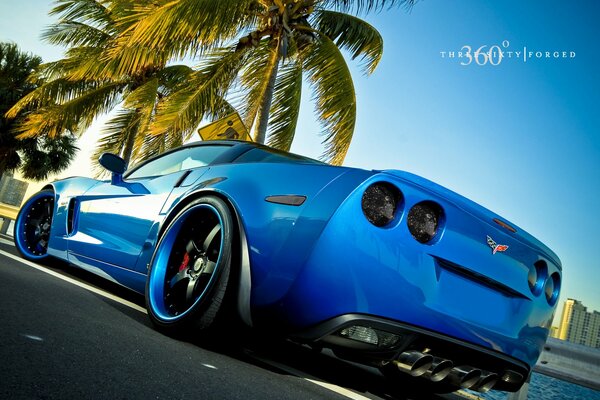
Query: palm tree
[256, 54]
[90, 81]
[36, 158]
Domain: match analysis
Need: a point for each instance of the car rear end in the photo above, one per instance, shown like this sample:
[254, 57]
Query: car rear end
[406, 268]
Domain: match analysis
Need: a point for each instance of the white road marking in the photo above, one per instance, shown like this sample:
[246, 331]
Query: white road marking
[338, 389]
[75, 282]
[4, 241]
[33, 337]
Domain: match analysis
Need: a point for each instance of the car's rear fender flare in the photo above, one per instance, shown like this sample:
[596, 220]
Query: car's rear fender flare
[240, 263]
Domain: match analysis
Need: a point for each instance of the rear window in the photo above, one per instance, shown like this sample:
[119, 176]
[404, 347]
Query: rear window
[268, 155]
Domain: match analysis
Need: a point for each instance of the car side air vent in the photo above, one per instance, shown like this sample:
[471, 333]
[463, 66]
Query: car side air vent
[71, 216]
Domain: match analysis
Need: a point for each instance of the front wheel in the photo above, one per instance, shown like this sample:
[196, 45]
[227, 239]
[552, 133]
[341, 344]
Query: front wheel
[190, 267]
[32, 227]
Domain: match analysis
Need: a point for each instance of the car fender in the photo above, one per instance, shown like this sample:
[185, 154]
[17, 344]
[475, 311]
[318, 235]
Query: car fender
[64, 191]
[274, 238]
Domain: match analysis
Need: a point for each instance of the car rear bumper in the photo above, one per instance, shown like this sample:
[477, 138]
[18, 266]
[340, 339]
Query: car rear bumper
[512, 373]
[454, 287]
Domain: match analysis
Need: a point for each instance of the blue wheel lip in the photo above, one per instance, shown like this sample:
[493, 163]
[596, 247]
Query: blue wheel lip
[19, 239]
[156, 279]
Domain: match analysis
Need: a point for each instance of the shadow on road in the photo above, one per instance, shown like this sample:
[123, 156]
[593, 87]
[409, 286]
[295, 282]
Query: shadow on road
[255, 348]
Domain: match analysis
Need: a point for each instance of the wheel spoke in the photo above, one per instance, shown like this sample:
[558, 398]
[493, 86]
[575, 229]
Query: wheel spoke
[191, 248]
[211, 236]
[41, 245]
[189, 293]
[209, 268]
[183, 274]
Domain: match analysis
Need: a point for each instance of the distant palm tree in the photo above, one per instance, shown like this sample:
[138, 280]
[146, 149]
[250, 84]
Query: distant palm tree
[36, 158]
[90, 82]
[256, 53]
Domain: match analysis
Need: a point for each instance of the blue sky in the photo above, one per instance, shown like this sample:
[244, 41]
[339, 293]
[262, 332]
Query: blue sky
[521, 138]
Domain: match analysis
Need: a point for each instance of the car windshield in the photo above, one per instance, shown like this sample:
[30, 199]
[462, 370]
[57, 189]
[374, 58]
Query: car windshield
[185, 158]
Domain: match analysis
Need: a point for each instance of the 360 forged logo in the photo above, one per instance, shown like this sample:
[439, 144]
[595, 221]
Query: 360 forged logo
[495, 54]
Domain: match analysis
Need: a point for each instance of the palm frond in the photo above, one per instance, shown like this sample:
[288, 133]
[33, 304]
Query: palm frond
[363, 6]
[75, 115]
[57, 91]
[333, 93]
[84, 63]
[52, 70]
[286, 106]
[113, 137]
[74, 33]
[353, 34]
[156, 144]
[173, 76]
[142, 95]
[203, 96]
[48, 156]
[143, 101]
[125, 60]
[183, 27]
[93, 12]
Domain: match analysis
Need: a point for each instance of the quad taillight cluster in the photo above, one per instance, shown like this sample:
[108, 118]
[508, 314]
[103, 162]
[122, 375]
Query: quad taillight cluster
[539, 282]
[383, 203]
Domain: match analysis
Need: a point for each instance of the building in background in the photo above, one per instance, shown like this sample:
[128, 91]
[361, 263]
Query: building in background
[12, 191]
[578, 325]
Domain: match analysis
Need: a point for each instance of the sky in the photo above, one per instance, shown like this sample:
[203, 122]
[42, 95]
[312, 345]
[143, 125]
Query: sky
[522, 137]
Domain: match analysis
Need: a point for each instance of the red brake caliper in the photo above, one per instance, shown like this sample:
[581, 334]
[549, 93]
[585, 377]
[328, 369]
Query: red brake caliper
[184, 263]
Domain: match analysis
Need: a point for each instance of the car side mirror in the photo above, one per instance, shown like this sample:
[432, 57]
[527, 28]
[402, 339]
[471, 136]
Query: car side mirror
[114, 164]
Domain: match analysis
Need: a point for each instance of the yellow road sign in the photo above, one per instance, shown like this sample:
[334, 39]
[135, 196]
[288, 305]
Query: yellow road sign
[230, 127]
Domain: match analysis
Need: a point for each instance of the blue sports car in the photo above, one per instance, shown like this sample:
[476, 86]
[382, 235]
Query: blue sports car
[383, 267]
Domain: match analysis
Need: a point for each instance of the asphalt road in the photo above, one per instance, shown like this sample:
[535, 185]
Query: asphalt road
[59, 340]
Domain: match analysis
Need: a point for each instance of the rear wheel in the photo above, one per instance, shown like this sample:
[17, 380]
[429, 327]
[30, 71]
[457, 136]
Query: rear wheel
[190, 268]
[33, 224]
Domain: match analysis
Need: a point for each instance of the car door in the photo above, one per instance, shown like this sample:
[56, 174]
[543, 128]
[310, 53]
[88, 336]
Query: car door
[113, 221]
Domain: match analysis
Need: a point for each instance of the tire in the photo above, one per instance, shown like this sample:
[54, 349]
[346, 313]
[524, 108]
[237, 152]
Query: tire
[190, 268]
[33, 225]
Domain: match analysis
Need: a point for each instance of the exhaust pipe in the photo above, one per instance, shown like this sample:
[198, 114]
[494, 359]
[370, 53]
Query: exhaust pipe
[486, 382]
[413, 362]
[439, 370]
[464, 376]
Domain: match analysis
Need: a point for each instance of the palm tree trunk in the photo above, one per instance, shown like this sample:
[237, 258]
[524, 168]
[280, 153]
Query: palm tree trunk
[265, 104]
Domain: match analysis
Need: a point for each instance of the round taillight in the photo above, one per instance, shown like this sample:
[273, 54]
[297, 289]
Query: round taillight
[552, 288]
[380, 203]
[536, 278]
[424, 220]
